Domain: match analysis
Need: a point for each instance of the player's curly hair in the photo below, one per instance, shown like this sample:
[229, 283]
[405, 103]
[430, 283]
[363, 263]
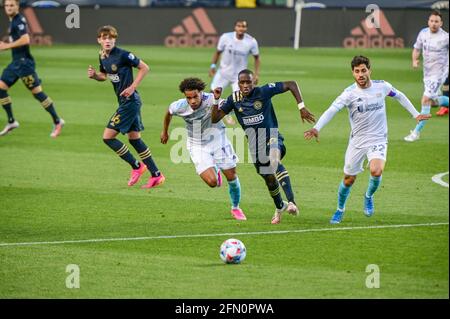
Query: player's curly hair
[358, 60]
[191, 84]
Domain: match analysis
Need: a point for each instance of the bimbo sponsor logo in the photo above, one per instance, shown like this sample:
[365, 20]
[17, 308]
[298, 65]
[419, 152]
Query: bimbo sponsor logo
[196, 30]
[373, 35]
[253, 120]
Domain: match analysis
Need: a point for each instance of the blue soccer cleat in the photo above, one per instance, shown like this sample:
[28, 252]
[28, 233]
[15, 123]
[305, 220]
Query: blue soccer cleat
[337, 217]
[368, 206]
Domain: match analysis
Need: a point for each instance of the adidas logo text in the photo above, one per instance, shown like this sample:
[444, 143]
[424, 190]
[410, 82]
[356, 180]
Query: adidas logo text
[196, 30]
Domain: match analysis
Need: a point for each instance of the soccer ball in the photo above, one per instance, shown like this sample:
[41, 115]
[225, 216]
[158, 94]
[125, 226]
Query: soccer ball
[232, 251]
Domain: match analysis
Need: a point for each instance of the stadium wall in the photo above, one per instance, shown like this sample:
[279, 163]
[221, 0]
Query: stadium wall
[178, 27]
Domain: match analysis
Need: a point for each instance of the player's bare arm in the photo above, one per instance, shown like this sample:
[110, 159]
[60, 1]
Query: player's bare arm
[22, 41]
[98, 76]
[415, 58]
[305, 114]
[216, 113]
[257, 68]
[213, 67]
[143, 70]
[165, 132]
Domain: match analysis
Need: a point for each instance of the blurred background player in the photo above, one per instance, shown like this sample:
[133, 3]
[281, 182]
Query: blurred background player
[255, 113]
[22, 67]
[443, 110]
[234, 48]
[433, 43]
[210, 150]
[365, 101]
[117, 65]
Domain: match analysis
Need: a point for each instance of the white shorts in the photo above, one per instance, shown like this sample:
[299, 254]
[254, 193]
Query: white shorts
[354, 157]
[432, 86]
[215, 154]
[220, 81]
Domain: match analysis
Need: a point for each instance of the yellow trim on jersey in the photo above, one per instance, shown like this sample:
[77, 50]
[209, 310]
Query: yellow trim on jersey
[237, 96]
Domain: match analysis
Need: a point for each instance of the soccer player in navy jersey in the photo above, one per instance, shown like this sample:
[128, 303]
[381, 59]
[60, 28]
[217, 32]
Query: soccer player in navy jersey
[117, 65]
[255, 113]
[22, 67]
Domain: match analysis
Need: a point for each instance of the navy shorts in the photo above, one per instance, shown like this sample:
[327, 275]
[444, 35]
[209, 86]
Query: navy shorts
[127, 117]
[23, 69]
[260, 156]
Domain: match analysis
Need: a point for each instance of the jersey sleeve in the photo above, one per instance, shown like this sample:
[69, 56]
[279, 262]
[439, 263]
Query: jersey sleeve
[272, 89]
[389, 90]
[130, 59]
[221, 44]
[175, 108]
[254, 50]
[21, 27]
[341, 101]
[418, 45]
[101, 68]
[227, 105]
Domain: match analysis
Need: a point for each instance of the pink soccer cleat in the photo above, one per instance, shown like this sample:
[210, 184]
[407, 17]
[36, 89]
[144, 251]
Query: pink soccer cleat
[292, 209]
[57, 128]
[155, 181]
[238, 214]
[136, 174]
[276, 219]
[219, 178]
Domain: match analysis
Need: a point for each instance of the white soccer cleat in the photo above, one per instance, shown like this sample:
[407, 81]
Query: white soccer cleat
[413, 136]
[9, 127]
[292, 209]
[276, 219]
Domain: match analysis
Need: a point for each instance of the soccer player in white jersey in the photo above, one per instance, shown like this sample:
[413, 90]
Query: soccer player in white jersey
[234, 48]
[365, 101]
[433, 43]
[210, 150]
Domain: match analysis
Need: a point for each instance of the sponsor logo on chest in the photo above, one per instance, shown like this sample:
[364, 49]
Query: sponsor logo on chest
[253, 119]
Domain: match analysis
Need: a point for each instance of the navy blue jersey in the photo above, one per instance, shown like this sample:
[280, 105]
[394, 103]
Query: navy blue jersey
[17, 28]
[255, 111]
[119, 68]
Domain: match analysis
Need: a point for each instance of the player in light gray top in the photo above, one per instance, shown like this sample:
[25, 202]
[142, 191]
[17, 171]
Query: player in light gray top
[365, 102]
[233, 49]
[209, 148]
[433, 43]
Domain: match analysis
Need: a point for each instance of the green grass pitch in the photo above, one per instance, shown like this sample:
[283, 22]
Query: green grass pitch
[74, 188]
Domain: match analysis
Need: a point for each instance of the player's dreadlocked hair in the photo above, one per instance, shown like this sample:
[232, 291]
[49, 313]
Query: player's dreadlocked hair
[191, 84]
[358, 60]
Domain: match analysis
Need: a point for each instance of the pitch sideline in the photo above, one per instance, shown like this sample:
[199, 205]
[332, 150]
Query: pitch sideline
[81, 241]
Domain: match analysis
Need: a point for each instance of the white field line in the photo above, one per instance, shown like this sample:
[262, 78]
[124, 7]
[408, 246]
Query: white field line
[99, 240]
[438, 179]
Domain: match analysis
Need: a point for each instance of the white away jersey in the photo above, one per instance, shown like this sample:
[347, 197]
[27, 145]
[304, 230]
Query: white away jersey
[235, 54]
[434, 47]
[200, 129]
[367, 112]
